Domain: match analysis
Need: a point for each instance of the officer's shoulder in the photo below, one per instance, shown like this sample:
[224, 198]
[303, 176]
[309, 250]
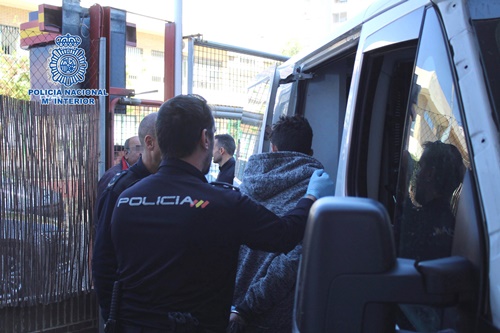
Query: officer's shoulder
[122, 180]
[116, 177]
[225, 186]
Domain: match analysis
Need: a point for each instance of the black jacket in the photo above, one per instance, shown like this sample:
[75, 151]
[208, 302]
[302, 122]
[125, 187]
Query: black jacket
[103, 258]
[177, 239]
[103, 182]
[226, 172]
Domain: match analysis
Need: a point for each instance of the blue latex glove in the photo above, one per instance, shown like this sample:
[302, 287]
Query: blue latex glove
[320, 185]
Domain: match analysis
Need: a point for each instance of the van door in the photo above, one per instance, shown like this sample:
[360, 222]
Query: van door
[405, 146]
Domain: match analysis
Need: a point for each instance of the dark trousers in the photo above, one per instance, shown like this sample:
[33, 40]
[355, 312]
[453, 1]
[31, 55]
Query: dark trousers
[137, 329]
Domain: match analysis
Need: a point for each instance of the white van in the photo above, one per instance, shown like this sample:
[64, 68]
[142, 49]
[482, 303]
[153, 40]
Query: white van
[404, 102]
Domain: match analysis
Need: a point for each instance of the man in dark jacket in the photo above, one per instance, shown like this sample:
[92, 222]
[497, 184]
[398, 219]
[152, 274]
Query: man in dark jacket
[265, 282]
[177, 237]
[133, 150]
[103, 258]
[224, 148]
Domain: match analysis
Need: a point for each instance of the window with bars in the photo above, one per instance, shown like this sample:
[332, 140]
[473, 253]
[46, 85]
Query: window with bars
[339, 17]
[9, 39]
[156, 53]
[134, 50]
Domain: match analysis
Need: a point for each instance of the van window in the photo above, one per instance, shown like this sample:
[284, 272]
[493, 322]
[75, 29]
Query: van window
[434, 155]
[434, 159]
[386, 79]
[253, 119]
[282, 103]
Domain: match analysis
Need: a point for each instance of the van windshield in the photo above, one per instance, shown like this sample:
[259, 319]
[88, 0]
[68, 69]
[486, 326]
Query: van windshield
[488, 35]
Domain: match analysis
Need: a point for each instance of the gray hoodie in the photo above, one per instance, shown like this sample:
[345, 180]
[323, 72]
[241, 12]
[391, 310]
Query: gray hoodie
[265, 282]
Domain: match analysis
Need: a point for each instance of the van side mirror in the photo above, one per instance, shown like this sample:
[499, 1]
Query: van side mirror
[350, 280]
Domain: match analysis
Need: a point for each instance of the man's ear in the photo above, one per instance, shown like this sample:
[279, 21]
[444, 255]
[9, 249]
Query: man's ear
[274, 148]
[149, 142]
[204, 139]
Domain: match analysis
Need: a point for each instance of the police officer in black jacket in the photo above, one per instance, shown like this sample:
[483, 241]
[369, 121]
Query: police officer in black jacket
[103, 258]
[177, 237]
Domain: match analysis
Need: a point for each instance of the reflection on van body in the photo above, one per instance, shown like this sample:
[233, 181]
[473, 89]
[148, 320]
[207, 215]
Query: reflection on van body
[405, 108]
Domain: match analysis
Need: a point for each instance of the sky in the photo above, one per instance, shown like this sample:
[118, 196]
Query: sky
[263, 25]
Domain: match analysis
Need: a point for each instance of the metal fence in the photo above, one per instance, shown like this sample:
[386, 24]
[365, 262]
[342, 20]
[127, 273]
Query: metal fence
[126, 125]
[235, 81]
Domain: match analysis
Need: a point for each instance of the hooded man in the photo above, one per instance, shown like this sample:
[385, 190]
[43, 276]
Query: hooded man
[265, 282]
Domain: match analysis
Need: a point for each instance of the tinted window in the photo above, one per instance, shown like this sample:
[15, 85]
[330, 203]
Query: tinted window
[378, 122]
[434, 155]
[433, 163]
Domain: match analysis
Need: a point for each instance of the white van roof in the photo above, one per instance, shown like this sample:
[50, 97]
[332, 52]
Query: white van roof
[346, 32]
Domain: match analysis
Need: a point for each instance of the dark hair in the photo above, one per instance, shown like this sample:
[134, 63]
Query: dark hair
[180, 122]
[292, 133]
[447, 161]
[226, 141]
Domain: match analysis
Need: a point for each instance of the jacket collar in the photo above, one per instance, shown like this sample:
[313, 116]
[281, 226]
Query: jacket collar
[140, 169]
[229, 163]
[176, 166]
